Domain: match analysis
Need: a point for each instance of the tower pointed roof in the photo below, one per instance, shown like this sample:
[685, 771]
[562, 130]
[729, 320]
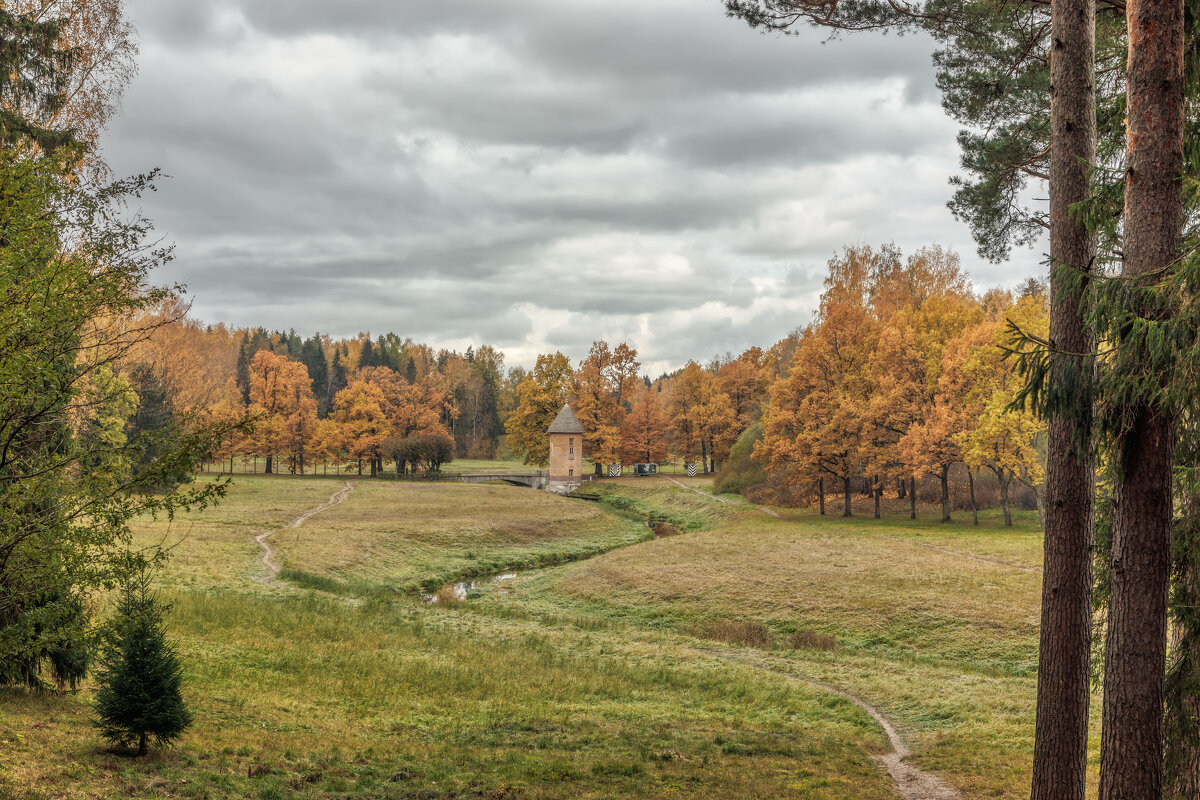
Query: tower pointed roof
[565, 422]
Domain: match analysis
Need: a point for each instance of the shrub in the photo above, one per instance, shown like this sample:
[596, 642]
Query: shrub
[740, 471]
[748, 633]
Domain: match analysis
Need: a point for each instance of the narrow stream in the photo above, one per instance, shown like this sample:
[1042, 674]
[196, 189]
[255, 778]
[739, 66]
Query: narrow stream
[658, 525]
[461, 590]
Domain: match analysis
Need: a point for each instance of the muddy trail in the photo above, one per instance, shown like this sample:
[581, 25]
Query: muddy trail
[268, 554]
[911, 782]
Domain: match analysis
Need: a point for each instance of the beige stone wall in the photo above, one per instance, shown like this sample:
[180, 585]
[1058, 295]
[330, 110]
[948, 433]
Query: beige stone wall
[566, 456]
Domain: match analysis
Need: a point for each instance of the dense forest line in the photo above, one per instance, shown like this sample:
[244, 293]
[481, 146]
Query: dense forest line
[902, 374]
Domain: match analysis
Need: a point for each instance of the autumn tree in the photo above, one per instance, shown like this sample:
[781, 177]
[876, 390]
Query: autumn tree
[358, 411]
[994, 434]
[815, 423]
[644, 430]
[745, 381]
[604, 382]
[282, 404]
[701, 417]
[539, 397]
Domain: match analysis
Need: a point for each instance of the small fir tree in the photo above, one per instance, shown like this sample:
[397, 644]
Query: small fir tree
[139, 676]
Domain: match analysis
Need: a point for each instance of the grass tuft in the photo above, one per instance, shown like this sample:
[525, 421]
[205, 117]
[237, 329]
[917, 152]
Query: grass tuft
[805, 639]
[749, 633]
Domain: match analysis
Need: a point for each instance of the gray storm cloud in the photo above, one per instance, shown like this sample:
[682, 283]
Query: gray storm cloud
[530, 174]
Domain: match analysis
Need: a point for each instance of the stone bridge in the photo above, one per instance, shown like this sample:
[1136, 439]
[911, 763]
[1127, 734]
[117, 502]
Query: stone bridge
[534, 478]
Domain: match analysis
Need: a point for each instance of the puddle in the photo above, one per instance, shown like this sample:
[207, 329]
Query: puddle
[461, 590]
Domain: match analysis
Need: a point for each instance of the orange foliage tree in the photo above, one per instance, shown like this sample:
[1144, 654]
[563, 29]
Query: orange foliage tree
[282, 403]
[605, 380]
[644, 430]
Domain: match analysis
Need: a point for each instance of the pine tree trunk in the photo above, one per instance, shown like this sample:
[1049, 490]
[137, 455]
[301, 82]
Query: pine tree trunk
[846, 492]
[141, 743]
[912, 497]
[1060, 739]
[974, 505]
[946, 493]
[1131, 748]
[1182, 754]
[821, 490]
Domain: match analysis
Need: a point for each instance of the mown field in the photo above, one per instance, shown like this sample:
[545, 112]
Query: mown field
[614, 665]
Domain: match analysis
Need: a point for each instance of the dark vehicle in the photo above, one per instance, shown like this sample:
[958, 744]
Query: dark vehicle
[645, 469]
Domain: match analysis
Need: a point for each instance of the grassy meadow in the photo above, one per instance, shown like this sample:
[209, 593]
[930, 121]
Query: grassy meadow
[614, 665]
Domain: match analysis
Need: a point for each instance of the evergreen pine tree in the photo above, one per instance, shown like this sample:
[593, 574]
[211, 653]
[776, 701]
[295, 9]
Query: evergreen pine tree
[410, 370]
[312, 356]
[336, 382]
[367, 357]
[243, 368]
[139, 676]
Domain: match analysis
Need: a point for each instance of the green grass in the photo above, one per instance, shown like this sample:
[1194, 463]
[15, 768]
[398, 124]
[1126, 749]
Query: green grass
[677, 667]
[411, 536]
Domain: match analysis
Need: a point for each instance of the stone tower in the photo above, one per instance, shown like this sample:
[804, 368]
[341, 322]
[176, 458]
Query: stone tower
[566, 451]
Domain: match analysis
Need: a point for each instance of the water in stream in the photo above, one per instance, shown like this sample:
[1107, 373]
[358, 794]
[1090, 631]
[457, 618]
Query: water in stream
[462, 589]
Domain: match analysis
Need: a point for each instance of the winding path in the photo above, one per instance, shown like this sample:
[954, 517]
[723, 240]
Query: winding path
[911, 782]
[268, 555]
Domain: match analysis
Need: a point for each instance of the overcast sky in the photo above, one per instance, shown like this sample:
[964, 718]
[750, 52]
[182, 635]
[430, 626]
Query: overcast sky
[533, 174]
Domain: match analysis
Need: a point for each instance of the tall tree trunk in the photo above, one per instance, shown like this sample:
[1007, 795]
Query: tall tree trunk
[878, 492]
[1131, 748]
[912, 497]
[846, 491]
[821, 491]
[900, 489]
[1063, 694]
[1182, 755]
[141, 743]
[946, 493]
[270, 464]
[974, 505]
